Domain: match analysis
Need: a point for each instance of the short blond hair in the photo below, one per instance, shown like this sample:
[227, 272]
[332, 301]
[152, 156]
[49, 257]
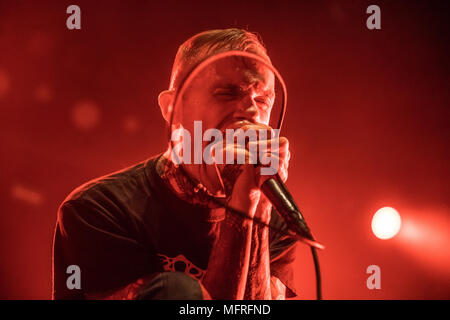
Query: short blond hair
[205, 44]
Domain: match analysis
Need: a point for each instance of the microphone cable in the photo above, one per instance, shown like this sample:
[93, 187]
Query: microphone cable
[179, 92]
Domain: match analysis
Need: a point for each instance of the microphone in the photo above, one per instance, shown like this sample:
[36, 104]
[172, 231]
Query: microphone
[276, 191]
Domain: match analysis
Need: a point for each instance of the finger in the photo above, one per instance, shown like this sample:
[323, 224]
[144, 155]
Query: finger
[278, 142]
[276, 165]
[266, 153]
[238, 154]
[256, 130]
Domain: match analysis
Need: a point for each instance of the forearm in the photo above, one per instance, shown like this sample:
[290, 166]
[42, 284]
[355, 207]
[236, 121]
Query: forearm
[228, 265]
[258, 280]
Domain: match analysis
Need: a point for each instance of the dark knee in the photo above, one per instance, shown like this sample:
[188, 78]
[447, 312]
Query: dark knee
[173, 286]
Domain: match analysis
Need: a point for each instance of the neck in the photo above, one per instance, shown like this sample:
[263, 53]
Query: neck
[206, 175]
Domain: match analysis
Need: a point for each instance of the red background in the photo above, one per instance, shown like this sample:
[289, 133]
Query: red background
[368, 122]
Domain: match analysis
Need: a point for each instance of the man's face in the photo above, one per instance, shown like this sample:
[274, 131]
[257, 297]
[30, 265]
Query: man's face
[229, 93]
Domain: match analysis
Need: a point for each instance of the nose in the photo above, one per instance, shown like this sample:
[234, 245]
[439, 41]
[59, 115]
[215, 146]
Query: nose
[247, 109]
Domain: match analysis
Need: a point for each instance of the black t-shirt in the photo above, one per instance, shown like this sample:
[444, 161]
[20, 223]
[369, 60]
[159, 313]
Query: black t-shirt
[129, 224]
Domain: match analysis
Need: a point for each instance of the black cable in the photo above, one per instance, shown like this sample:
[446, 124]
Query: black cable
[317, 271]
[281, 232]
[193, 72]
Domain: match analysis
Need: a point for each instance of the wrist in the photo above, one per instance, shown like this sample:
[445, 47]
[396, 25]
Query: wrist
[237, 220]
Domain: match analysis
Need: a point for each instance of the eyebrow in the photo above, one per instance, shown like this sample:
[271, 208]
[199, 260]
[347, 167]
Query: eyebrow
[229, 85]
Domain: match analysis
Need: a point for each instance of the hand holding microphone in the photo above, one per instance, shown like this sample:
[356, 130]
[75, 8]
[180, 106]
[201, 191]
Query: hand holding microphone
[242, 180]
[245, 183]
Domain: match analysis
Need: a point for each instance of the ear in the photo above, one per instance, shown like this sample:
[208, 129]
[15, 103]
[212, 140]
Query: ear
[165, 101]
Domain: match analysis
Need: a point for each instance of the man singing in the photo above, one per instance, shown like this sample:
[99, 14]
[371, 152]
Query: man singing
[153, 231]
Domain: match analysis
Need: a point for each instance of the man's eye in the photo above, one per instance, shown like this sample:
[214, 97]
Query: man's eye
[226, 94]
[264, 103]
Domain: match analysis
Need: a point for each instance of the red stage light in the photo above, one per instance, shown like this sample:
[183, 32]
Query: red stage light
[131, 124]
[43, 93]
[386, 223]
[26, 194]
[85, 115]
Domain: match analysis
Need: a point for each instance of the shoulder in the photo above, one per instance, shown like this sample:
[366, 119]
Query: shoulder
[128, 176]
[118, 183]
[116, 192]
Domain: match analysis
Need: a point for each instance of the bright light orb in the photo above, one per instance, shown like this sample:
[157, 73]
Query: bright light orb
[85, 115]
[386, 223]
